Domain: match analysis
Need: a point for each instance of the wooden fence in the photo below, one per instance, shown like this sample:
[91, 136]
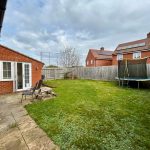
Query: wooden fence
[54, 73]
[95, 73]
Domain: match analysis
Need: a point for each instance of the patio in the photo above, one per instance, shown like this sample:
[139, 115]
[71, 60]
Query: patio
[17, 129]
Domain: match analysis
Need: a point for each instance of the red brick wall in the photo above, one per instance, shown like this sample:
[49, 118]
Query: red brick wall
[103, 63]
[97, 63]
[145, 54]
[6, 87]
[130, 56]
[8, 55]
[114, 60]
[36, 72]
[89, 58]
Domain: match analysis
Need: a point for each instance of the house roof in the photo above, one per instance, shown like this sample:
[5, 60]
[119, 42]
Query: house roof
[129, 47]
[2, 11]
[101, 54]
[21, 54]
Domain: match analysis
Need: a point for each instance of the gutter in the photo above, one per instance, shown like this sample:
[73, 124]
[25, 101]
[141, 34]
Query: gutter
[130, 52]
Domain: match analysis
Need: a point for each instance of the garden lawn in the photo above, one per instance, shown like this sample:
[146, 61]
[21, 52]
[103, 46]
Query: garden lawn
[95, 115]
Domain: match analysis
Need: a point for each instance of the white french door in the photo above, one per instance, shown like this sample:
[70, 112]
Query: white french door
[26, 75]
[23, 75]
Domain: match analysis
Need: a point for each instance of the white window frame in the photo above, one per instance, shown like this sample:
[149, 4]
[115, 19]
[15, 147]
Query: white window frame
[136, 55]
[119, 56]
[23, 75]
[30, 75]
[1, 71]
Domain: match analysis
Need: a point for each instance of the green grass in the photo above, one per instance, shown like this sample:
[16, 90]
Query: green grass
[95, 115]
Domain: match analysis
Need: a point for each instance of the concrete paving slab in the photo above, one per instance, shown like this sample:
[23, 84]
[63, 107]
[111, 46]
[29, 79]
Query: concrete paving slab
[18, 131]
[19, 114]
[6, 122]
[43, 143]
[4, 109]
[30, 125]
[12, 140]
[33, 134]
[24, 119]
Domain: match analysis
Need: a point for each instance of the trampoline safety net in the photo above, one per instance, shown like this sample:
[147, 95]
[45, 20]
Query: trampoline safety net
[135, 69]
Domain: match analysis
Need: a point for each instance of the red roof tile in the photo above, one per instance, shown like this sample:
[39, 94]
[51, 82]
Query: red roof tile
[138, 45]
[101, 54]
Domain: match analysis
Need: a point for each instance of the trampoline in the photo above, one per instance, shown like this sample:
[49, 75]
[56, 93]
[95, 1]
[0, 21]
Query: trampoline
[132, 70]
[121, 81]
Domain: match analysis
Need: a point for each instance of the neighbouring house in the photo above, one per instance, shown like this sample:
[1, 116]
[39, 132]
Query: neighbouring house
[132, 50]
[17, 71]
[99, 57]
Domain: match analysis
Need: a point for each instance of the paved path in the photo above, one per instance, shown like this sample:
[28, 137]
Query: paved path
[17, 129]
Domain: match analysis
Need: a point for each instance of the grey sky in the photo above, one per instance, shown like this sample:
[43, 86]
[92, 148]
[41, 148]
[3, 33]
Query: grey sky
[31, 26]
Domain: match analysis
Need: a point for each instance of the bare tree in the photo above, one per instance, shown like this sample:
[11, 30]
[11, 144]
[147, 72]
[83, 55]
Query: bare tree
[69, 57]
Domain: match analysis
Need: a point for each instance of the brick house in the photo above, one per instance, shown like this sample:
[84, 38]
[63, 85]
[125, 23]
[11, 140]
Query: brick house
[17, 71]
[132, 50]
[100, 57]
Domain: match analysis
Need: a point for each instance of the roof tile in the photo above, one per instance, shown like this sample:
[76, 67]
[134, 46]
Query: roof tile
[101, 54]
[129, 47]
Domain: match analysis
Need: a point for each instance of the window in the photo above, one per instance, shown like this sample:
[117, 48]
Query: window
[87, 62]
[136, 55]
[119, 57]
[7, 70]
[91, 61]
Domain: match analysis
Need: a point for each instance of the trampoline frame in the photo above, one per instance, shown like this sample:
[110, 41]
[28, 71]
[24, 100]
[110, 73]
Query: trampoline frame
[128, 77]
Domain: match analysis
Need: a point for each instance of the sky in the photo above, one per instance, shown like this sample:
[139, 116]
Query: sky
[32, 26]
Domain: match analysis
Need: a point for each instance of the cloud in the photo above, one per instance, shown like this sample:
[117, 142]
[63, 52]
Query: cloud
[47, 25]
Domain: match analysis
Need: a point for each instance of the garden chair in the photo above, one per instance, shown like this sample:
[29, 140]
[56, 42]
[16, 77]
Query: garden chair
[29, 92]
[33, 91]
[39, 84]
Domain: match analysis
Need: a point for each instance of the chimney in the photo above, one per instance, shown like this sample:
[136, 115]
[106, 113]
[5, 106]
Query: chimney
[148, 35]
[102, 48]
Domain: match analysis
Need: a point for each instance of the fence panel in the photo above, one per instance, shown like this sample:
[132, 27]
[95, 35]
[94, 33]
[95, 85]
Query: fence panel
[53, 73]
[95, 73]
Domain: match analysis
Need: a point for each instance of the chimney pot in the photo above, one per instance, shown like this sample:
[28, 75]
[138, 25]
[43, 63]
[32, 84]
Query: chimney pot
[102, 48]
[148, 35]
